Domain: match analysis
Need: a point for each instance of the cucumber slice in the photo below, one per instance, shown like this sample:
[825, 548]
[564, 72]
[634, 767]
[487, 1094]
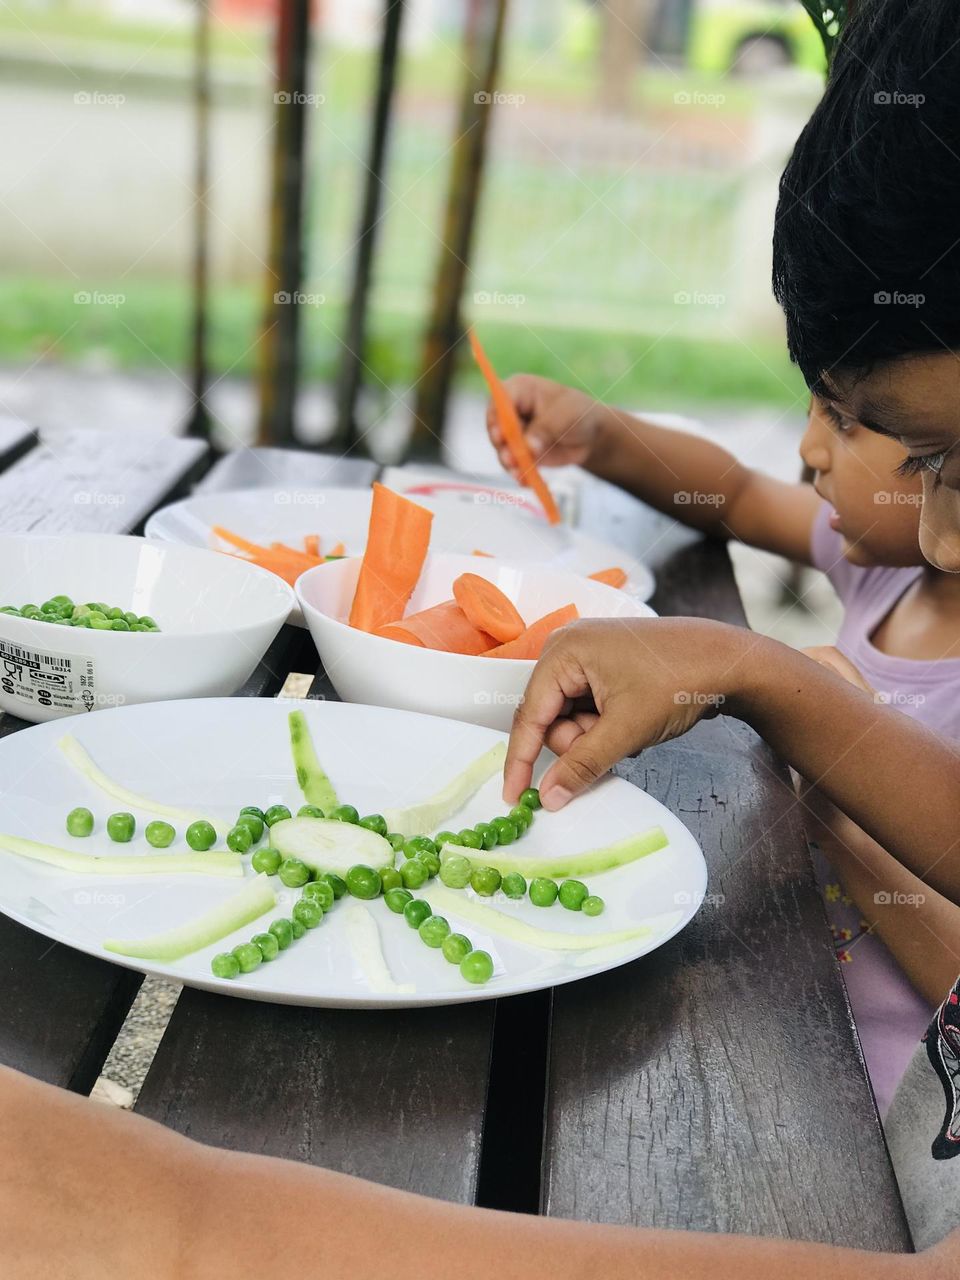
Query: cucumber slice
[455, 902]
[363, 937]
[256, 897]
[208, 864]
[421, 819]
[326, 845]
[589, 863]
[313, 782]
[79, 759]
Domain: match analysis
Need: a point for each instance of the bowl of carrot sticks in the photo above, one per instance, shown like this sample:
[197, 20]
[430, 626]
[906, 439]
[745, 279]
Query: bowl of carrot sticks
[450, 635]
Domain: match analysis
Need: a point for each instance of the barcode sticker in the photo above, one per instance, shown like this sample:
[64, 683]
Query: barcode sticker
[38, 678]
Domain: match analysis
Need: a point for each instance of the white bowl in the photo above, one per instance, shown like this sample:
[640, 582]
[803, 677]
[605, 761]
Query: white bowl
[217, 616]
[387, 673]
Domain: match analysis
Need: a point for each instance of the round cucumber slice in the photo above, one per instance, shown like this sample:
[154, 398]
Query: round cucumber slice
[327, 845]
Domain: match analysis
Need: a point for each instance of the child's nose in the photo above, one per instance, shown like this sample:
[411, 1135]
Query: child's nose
[815, 447]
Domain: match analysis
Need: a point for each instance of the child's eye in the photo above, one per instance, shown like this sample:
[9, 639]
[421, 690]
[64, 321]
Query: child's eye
[840, 420]
[911, 466]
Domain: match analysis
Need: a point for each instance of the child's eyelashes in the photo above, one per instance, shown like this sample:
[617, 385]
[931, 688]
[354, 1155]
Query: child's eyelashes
[912, 466]
[840, 420]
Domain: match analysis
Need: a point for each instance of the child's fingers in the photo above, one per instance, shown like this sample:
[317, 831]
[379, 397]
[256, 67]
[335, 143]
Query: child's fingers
[590, 754]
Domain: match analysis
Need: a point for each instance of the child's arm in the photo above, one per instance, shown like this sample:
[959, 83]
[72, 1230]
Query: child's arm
[93, 1193]
[695, 481]
[899, 781]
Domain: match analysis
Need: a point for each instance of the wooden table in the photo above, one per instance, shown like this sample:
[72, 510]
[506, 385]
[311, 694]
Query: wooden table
[715, 1084]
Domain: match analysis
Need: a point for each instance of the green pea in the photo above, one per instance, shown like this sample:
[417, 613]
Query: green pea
[116, 615]
[282, 930]
[477, 967]
[543, 892]
[252, 808]
[514, 885]
[419, 844]
[266, 861]
[79, 822]
[390, 878]
[310, 811]
[268, 943]
[531, 798]
[345, 813]
[416, 912]
[248, 956]
[455, 871]
[413, 873]
[147, 621]
[397, 841]
[253, 824]
[336, 883]
[307, 912]
[121, 826]
[433, 931]
[276, 813]
[298, 930]
[49, 606]
[119, 624]
[131, 618]
[100, 624]
[506, 830]
[200, 835]
[160, 834]
[485, 881]
[62, 601]
[572, 894]
[447, 837]
[488, 834]
[239, 838]
[363, 882]
[455, 947]
[134, 626]
[470, 839]
[397, 899]
[320, 891]
[374, 822]
[592, 905]
[225, 965]
[429, 860]
[522, 816]
[29, 611]
[293, 873]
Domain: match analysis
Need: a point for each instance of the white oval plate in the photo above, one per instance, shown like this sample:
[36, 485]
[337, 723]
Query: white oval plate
[342, 515]
[217, 755]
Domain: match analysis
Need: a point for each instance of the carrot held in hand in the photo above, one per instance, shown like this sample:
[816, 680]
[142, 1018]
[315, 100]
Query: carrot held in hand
[530, 643]
[397, 541]
[513, 432]
[487, 607]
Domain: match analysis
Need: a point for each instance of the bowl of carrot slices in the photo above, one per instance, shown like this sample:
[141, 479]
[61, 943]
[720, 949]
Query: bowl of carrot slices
[450, 635]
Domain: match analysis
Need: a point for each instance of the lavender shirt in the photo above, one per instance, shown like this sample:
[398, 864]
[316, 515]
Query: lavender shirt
[890, 1014]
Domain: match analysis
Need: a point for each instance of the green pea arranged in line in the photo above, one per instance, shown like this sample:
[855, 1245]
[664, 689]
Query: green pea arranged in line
[293, 873]
[239, 838]
[253, 823]
[336, 883]
[470, 839]
[121, 826]
[254, 809]
[572, 894]
[310, 811]
[160, 834]
[397, 899]
[298, 929]
[320, 891]
[363, 882]
[390, 878]
[276, 813]
[433, 930]
[455, 946]
[225, 965]
[506, 830]
[307, 912]
[477, 967]
[201, 835]
[79, 822]
[374, 822]
[592, 905]
[430, 860]
[488, 834]
[447, 837]
[522, 816]
[413, 873]
[514, 885]
[282, 930]
[395, 840]
[248, 956]
[416, 911]
[455, 871]
[266, 861]
[531, 798]
[419, 844]
[485, 881]
[345, 813]
[268, 943]
[543, 892]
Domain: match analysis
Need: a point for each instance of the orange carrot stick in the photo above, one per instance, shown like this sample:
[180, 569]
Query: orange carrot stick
[445, 627]
[530, 643]
[488, 554]
[513, 432]
[613, 577]
[311, 544]
[242, 544]
[487, 607]
[338, 550]
[397, 542]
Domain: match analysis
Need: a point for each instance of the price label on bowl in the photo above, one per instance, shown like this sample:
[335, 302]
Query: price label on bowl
[41, 678]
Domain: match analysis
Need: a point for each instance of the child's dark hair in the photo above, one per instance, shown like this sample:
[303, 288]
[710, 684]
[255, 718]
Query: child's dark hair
[866, 248]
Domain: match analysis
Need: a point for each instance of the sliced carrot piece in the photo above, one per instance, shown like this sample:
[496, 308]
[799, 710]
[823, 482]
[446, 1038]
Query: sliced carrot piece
[445, 627]
[311, 544]
[488, 554]
[395, 631]
[338, 550]
[397, 541]
[242, 544]
[513, 432]
[530, 643]
[487, 607]
[613, 577]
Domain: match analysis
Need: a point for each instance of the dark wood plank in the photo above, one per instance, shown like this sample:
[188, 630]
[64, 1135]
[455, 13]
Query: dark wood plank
[717, 1084]
[395, 1096]
[16, 439]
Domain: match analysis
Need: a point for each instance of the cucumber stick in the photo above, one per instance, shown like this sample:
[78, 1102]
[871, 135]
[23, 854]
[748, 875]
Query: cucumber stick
[78, 757]
[589, 863]
[256, 897]
[327, 845]
[209, 864]
[423, 818]
[312, 780]
[455, 903]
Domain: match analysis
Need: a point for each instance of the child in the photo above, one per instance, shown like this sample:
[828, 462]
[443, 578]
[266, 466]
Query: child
[900, 638]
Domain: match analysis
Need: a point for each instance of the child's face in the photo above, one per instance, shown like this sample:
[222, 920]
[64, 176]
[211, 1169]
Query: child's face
[876, 511]
[916, 403]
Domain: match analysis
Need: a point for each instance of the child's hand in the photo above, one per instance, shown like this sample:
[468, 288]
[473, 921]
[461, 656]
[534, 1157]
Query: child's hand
[604, 689]
[561, 424]
[829, 655]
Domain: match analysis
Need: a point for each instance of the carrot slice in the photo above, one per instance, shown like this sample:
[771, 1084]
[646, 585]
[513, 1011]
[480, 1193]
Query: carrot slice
[338, 550]
[513, 432]
[397, 541]
[311, 544]
[613, 577]
[487, 607]
[242, 544]
[395, 631]
[489, 554]
[530, 643]
[445, 627]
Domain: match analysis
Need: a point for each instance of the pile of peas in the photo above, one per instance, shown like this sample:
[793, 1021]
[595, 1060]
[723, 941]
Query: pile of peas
[99, 616]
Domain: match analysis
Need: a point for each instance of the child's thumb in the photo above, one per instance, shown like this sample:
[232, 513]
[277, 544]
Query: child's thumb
[587, 758]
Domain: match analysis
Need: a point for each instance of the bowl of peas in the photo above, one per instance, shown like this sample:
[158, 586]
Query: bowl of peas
[89, 621]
